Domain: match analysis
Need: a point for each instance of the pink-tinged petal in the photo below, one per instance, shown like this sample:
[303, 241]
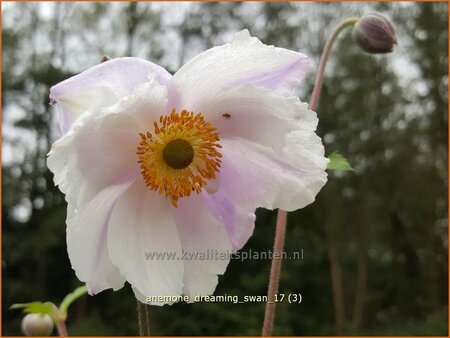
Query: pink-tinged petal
[243, 60]
[101, 145]
[89, 159]
[254, 175]
[142, 236]
[239, 223]
[281, 124]
[145, 106]
[103, 84]
[201, 234]
[87, 236]
[257, 114]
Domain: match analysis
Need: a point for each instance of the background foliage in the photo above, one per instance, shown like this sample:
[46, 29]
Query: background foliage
[375, 242]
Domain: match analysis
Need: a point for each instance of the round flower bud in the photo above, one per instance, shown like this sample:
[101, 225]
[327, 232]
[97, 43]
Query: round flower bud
[36, 324]
[375, 34]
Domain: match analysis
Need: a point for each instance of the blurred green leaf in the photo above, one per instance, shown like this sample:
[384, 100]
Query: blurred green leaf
[338, 162]
[70, 298]
[36, 307]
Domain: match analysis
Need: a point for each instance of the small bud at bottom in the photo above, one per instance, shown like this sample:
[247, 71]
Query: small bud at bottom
[36, 324]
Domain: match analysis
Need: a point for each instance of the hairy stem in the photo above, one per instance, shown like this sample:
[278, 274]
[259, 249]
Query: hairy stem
[143, 321]
[280, 231]
[62, 329]
[275, 270]
[323, 61]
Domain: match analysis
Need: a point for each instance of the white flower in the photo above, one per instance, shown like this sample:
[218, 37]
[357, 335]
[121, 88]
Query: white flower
[151, 162]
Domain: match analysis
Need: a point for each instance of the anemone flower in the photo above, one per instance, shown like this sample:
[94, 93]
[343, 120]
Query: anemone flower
[155, 163]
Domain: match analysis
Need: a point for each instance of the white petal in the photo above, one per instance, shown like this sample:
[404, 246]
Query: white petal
[100, 148]
[87, 235]
[139, 296]
[103, 84]
[205, 244]
[258, 114]
[243, 60]
[304, 149]
[239, 223]
[254, 175]
[277, 130]
[141, 225]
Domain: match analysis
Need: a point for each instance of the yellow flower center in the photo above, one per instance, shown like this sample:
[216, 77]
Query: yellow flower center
[180, 156]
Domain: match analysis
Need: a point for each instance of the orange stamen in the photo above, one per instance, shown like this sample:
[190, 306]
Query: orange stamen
[176, 183]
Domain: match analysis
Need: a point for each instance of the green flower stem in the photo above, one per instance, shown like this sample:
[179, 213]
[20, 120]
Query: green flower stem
[143, 322]
[280, 230]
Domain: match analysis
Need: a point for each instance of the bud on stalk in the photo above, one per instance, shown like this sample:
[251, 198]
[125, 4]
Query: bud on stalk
[36, 324]
[374, 34]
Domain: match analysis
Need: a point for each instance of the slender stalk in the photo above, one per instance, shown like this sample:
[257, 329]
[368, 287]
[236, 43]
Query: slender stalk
[323, 61]
[275, 270]
[62, 329]
[143, 321]
[280, 230]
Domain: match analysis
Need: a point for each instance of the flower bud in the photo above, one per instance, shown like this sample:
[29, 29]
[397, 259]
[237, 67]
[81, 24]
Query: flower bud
[375, 34]
[36, 324]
